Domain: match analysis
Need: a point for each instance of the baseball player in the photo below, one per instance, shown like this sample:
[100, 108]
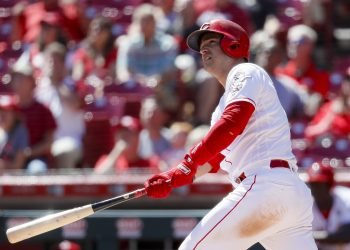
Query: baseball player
[331, 209]
[250, 139]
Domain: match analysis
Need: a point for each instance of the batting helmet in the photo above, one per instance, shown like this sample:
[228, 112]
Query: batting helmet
[320, 173]
[234, 41]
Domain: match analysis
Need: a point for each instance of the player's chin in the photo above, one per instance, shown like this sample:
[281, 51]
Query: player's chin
[208, 64]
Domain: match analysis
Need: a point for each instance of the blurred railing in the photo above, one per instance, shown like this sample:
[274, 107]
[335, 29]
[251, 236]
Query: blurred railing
[63, 188]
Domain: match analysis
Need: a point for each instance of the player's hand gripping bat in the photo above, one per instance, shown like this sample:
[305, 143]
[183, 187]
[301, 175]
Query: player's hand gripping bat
[56, 220]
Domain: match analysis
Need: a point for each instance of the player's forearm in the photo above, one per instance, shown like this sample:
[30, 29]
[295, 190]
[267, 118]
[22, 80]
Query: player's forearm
[202, 170]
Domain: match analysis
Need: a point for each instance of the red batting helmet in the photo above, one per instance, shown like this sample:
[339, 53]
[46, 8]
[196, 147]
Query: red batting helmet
[234, 41]
[320, 173]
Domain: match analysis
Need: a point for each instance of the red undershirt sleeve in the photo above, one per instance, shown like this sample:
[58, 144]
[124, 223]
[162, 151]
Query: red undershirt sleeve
[231, 124]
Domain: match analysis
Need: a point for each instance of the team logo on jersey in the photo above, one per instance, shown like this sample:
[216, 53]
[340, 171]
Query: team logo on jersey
[237, 84]
[236, 87]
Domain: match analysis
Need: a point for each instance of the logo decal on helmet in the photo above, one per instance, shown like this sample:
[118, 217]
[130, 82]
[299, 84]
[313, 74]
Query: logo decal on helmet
[205, 26]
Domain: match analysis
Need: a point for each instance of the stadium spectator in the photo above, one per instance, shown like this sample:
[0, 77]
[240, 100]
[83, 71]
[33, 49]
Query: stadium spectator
[205, 92]
[38, 119]
[124, 155]
[229, 9]
[171, 18]
[300, 48]
[334, 116]
[331, 208]
[206, 95]
[269, 54]
[178, 18]
[315, 14]
[155, 136]
[147, 55]
[196, 135]
[96, 55]
[259, 11]
[13, 135]
[187, 23]
[28, 17]
[179, 133]
[55, 91]
[49, 32]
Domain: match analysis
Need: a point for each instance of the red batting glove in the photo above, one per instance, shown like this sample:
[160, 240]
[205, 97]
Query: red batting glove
[160, 185]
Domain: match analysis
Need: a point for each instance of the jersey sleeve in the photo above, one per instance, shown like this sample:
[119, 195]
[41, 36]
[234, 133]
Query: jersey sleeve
[243, 83]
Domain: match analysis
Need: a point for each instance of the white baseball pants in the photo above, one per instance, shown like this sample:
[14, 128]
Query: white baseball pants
[273, 207]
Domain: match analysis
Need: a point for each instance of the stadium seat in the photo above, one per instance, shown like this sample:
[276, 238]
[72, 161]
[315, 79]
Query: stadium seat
[118, 11]
[9, 3]
[307, 160]
[4, 83]
[330, 146]
[99, 135]
[297, 128]
[289, 12]
[299, 147]
[5, 28]
[132, 93]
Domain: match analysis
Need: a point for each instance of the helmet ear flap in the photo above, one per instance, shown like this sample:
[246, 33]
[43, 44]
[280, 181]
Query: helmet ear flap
[230, 47]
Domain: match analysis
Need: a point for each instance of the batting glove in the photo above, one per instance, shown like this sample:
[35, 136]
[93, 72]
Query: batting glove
[160, 185]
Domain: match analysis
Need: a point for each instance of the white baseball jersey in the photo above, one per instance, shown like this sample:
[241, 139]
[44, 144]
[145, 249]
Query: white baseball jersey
[268, 128]
[339, 215]
[262, 207]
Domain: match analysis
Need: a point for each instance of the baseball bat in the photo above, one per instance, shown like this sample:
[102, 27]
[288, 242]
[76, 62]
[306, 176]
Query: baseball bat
[52, 221]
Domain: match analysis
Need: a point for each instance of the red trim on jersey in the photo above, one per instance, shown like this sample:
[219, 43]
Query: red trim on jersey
[227, 214]
[244, 100]
[232, 123]
[215, 163]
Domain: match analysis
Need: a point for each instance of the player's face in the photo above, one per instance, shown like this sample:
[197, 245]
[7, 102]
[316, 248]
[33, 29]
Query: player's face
[211, 51]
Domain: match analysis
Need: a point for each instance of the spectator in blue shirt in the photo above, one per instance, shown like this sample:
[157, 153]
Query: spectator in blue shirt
[147, 55]
[13, 135]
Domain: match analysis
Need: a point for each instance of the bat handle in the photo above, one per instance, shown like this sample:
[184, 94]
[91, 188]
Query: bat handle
[98, 206]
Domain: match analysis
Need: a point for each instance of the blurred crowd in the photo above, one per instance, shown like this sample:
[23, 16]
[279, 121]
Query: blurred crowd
[111, 85]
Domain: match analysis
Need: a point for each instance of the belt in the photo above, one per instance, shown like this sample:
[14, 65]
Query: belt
[275, 163]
